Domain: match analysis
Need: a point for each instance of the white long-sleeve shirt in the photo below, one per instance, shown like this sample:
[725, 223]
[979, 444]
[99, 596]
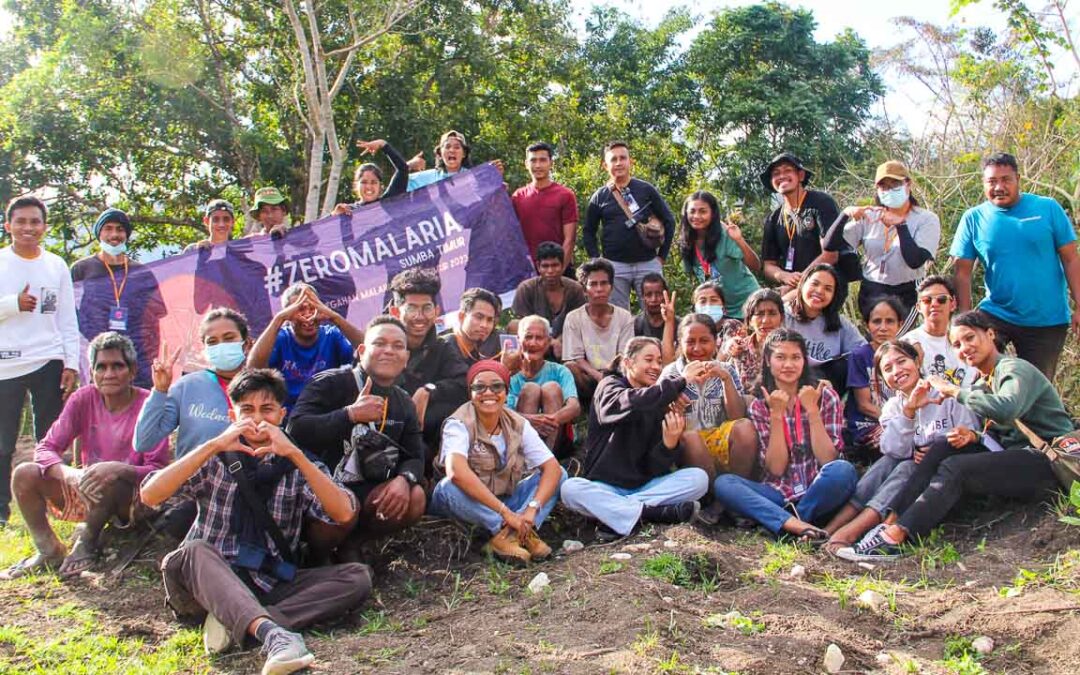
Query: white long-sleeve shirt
[901, 435]
[29, 340]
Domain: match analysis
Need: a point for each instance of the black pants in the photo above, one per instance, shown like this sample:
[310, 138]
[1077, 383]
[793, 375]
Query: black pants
[947, 474]
[1038, 345]
[45, 397]
[871, 292]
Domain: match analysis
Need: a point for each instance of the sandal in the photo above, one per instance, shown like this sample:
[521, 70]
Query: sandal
[815, 536]
[79, 561]
[35, 564]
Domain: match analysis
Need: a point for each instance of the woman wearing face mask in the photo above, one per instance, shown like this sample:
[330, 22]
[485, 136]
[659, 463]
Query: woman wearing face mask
[710, 300]
[898, 237]
[196, 405]
[714, 249]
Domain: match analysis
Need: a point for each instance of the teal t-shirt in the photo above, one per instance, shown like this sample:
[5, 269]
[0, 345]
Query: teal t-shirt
[731, 271]
[549, 372]
[1018, 249]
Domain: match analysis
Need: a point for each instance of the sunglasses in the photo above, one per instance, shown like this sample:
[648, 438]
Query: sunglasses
[942, 299]
[494, 388]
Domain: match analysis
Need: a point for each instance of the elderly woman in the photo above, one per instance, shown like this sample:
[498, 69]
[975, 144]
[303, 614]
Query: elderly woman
[898, 237]
[103, 478]
[490, 455]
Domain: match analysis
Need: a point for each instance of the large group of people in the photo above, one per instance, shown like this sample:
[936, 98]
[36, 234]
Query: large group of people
[283, 453]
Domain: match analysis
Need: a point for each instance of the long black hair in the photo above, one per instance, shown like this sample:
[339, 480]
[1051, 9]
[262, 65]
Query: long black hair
[831, 312]
[713, 235]
[779, 335]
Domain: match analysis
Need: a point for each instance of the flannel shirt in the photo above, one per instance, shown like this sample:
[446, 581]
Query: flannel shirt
[215, 491]
[803, 467]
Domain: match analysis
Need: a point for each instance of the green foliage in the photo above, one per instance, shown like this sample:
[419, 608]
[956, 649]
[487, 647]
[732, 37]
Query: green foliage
[960, 657]
[698, 571]
[1074, 501]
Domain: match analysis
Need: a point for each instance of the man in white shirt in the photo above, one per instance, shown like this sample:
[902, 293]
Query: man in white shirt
[937, 303]
[39, 334]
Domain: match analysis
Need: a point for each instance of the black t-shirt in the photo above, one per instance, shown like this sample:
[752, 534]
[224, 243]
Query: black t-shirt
[619, 242]
[320, 424]
[818, 212]
[642, 328]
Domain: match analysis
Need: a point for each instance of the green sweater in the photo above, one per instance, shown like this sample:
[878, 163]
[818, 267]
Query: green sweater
[1018, 390]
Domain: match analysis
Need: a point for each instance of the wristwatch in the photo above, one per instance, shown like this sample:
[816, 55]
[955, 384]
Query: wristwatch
[430, 387]
[534, 504]
[410, 477]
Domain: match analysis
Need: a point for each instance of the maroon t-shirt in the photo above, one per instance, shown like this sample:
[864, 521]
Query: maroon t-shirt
[544, 212]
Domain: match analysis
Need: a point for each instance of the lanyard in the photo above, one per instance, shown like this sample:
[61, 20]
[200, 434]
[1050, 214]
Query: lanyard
[224, 388]
[889, 230]
[798, 427]
[117, 290]
[705, 263]
[990, 386]
[790, 216]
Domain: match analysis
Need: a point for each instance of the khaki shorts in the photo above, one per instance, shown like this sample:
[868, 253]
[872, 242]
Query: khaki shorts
[718, 442]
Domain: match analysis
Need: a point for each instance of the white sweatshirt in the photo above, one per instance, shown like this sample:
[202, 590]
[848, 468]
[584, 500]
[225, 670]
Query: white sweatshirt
[900, 435]
[29, 340]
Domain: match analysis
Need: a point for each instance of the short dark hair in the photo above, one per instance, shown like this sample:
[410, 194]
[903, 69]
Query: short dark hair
[255, 380]
[415, 281]
[713, 284]
[226, 313]
[652, 278]
[384, 320]
[611, 145]
[938, 280]
[548, 250]
[22, 203]
[539, 146]
[1001, 159]
[471, 296]
[112, 340]
[595, 265]
[892, 301]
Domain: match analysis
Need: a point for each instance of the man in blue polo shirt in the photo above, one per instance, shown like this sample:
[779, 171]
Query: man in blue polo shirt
[1027, 247]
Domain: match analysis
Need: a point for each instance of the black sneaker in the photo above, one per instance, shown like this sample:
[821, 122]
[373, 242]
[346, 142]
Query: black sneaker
[871, 548]
[670, 513]
[605, 534]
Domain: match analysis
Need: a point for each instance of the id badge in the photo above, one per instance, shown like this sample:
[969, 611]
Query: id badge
[789, 264]
[118, 318]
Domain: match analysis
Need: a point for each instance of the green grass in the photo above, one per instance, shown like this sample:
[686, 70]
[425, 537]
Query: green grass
[377, 621]
[960, 657]
[847, 588]
[779, 557]
[697, 572]
[1062, 574]
[611, 567]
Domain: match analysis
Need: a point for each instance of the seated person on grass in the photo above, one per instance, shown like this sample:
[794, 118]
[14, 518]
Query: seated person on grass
[799, 421]
[499, 473]
[937, 304]
[597, 332]
[866, 392]
[709, 300]
[962, 463]
[361, 409]
[103, 480]
[238, 565]
[764, 313]
[634, 443]
[305, 338]
[550, 295]
[657, 318]
[912, 420]
[542, 391]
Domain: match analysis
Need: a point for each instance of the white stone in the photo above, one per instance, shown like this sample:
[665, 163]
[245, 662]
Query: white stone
[638, 548]
[539, 582]
[797, 572]
[884, 659]
[670, 543]
[867, 566]
[834, 658]
[621, 556]
[872, 600]
[571, 545]
[983, 644]
[667, 598]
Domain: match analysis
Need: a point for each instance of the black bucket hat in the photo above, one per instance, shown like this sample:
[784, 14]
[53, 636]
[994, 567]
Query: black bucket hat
[784, 158]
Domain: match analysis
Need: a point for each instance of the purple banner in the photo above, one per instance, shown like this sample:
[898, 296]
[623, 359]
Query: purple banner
[464, 227]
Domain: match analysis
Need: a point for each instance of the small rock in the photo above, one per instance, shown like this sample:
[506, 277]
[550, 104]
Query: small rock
[834, 658]
[802, 660]
[983, 644]
[867, 566]
[539, 582]
[961, 566]
[670, 543]
[1013, 591]
[667, 598]
[797, 572]
[970, 584]
[637, 548]
[872, 600]
[621, 556]
[571, 545]
[884, 659]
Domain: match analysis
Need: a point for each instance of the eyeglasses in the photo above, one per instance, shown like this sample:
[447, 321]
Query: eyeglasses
[494, 387]
[942, 299]
[426, 309]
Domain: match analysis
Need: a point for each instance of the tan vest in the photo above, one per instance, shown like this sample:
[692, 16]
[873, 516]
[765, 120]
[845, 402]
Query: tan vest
[484, 458]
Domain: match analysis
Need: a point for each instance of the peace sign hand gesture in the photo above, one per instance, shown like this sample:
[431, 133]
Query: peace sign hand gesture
[161, 370]
[667, 310]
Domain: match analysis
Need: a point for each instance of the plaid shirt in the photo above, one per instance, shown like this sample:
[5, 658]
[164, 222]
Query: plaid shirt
[803, 466]
[215, 491]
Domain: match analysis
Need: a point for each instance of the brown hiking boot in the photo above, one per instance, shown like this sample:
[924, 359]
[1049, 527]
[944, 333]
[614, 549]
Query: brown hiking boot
[504, 546]
[536, 547]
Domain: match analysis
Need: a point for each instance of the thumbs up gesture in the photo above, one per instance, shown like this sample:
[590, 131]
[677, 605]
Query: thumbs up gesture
[366, 407]
[27, 302]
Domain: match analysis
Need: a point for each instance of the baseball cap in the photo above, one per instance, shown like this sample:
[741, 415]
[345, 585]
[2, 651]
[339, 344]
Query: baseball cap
[218, 205]
[892, 169]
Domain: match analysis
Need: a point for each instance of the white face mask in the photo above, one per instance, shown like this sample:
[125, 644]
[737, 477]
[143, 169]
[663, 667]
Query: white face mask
[894, 198]
[114, 250]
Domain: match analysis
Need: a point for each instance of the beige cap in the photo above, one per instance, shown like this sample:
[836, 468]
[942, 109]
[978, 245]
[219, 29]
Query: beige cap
[892, 169]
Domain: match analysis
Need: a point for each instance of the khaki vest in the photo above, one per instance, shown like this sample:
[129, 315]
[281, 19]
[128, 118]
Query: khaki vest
[484, 458]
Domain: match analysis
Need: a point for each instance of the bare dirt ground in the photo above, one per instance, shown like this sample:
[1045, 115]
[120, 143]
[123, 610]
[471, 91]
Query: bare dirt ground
[1007, 571]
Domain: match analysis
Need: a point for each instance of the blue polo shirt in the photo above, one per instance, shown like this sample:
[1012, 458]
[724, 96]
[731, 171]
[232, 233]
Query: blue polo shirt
[1018, 249]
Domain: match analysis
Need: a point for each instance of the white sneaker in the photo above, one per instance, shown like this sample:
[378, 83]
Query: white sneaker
[216, 637]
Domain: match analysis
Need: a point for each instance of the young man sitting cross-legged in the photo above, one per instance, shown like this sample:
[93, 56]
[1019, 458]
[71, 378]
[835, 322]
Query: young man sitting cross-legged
[254, 487]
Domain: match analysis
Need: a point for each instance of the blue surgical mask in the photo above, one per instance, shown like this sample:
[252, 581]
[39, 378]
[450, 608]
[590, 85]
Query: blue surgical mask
[714, 312]
[226, 355]
[894, 198]
[119, 249]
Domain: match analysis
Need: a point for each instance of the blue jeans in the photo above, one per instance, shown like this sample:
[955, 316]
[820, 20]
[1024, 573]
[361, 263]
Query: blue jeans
[620, 508]
[449, 501]
[831, 489]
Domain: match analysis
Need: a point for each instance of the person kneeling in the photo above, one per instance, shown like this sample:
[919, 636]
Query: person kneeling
[634, 440]
[102, 416]
[799, 427]
[486, 451]
[254, 487]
